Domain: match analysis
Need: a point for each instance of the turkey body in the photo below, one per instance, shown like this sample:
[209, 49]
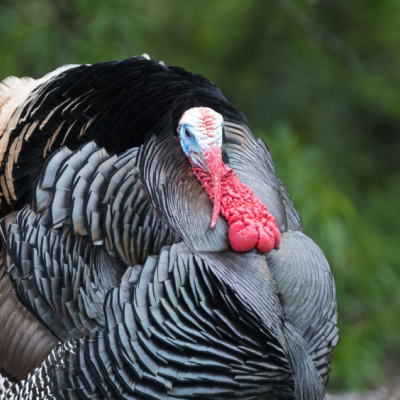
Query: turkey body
[113, 285]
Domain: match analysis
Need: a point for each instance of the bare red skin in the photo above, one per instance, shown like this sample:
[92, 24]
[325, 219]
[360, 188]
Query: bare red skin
[250, 223]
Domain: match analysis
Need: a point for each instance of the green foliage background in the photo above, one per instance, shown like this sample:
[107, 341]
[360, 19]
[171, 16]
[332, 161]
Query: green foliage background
[317, 79]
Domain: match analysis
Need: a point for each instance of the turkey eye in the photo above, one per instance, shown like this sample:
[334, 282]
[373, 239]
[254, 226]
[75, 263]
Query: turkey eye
[188, 134]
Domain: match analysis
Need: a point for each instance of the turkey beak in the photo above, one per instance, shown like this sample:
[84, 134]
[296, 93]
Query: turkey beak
[214, 163]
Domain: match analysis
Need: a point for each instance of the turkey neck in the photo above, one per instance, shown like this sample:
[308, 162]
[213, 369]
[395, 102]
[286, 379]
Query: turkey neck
[175, 192]
[250, 223]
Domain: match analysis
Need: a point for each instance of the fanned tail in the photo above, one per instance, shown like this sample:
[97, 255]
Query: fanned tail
[13, 93]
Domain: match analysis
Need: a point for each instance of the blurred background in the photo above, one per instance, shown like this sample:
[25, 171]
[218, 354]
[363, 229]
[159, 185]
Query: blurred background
[319, 81]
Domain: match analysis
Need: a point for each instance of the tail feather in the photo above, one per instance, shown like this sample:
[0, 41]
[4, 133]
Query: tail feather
[13, 92]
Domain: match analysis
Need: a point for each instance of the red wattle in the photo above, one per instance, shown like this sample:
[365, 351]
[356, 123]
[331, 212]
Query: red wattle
[242, 236]
[250, 223]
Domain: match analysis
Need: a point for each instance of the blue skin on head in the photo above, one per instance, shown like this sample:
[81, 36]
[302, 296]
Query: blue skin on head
[189, 143]
[200, 131]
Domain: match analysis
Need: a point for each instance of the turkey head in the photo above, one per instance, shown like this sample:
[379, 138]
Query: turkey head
[250, 223]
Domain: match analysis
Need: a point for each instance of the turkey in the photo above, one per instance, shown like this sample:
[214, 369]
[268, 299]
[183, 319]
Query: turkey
[149, 251]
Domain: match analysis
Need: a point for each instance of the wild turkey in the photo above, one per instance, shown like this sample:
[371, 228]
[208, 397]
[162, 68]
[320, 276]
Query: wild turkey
[150, 250]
